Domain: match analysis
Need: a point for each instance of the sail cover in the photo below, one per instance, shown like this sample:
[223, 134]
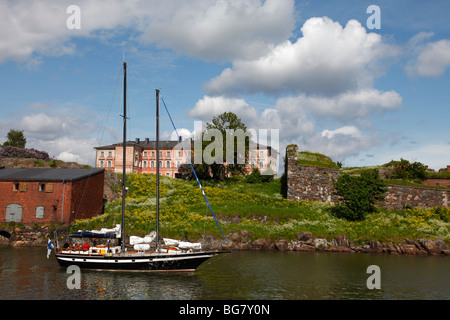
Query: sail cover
[103, 233]
[90, 234]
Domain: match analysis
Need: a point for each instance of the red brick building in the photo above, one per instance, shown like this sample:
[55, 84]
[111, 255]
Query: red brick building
[443, 181]
[42, 195]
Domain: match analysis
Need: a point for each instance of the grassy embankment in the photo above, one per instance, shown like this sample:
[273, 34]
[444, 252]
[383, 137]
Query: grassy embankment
[258, 208]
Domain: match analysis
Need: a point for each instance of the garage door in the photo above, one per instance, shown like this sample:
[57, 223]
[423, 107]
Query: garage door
[14, 213]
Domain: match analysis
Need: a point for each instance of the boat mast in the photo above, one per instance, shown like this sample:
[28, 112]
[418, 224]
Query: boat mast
[157, 171]
[124, 190]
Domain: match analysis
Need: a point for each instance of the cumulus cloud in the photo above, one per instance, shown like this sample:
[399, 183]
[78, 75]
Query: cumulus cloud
[66, 133]
[433, 60]
[209, 107]
[206, 29]
[295, 124]
[30, 28]
[223, 30]
[328, 59]
[351, 105]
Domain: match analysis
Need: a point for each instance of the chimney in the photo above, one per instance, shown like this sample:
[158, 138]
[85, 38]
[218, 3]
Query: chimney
[146, 140]
[448, 168]
[137, 140]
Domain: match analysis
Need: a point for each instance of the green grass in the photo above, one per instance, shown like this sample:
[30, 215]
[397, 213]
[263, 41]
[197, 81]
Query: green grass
[257, 208]
[307, 158]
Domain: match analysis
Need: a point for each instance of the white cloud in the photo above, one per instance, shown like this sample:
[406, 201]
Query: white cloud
[351, 105]
[67, 132]
[208, 107]
[327, 60]
[223, 30]
[295, 124]
[433, 60]
[206, 29]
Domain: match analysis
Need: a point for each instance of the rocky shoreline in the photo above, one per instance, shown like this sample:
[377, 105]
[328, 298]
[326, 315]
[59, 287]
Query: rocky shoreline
[307, 242]
[29, 236]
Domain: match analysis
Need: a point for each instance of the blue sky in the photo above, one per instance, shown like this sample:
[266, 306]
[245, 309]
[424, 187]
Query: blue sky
[311, 69]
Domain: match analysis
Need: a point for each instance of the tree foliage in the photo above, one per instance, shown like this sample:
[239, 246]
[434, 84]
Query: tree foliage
[405, 170]
[229, 125]
[15, 138]
[359, 194]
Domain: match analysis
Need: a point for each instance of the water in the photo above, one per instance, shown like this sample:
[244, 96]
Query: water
[25, 273]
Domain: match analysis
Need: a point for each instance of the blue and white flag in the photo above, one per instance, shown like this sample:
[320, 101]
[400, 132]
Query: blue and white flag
[49, 248]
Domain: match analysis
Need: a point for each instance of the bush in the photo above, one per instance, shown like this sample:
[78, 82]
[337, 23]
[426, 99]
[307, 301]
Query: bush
[359, 194]
[15, 152]
[405, 170]
[254, 177]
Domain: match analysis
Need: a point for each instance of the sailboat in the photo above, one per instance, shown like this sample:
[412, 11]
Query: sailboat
[175, 256]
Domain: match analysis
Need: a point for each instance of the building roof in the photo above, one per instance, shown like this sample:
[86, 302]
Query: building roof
[46, 174]
[146, 144]
[168, 144]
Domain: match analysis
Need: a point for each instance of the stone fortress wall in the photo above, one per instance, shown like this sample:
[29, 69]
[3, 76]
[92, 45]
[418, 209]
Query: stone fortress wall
[316, 184]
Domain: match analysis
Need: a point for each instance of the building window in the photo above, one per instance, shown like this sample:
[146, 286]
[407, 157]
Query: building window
[102, 163]
[16, 187]
[152, 164]
[178, 153]
[102, 154]
[252, 164]
[40, 212]
[178, 163]
[145, 153]
[168, 154]
[152, 154]
[49, 187]
[261, 154]
[109, 154]
[160, 164]
[160, 154]
[109, 164]
[145, 164]
[167, 174]
[167, 164]
[261, 164]
[23, 187]
[41, 187]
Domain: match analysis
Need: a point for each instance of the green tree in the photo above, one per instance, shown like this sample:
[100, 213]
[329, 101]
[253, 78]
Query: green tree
[358, 194]
[405, 170]
[232, 130]
[15, 138]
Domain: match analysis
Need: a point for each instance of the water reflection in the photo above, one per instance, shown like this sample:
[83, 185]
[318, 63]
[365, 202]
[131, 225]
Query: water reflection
[26, 273]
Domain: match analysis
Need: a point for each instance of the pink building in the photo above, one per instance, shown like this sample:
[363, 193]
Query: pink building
[141, 157]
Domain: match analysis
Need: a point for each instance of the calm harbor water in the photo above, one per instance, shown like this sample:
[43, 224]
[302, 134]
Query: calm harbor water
[26, 273]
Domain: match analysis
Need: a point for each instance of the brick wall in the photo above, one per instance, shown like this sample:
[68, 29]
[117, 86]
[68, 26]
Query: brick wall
[438, 182]
[87, 197]
[316, 184]
[82, 199]
[31, 198]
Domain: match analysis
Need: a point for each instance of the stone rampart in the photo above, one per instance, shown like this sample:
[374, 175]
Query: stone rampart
[316, 184]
